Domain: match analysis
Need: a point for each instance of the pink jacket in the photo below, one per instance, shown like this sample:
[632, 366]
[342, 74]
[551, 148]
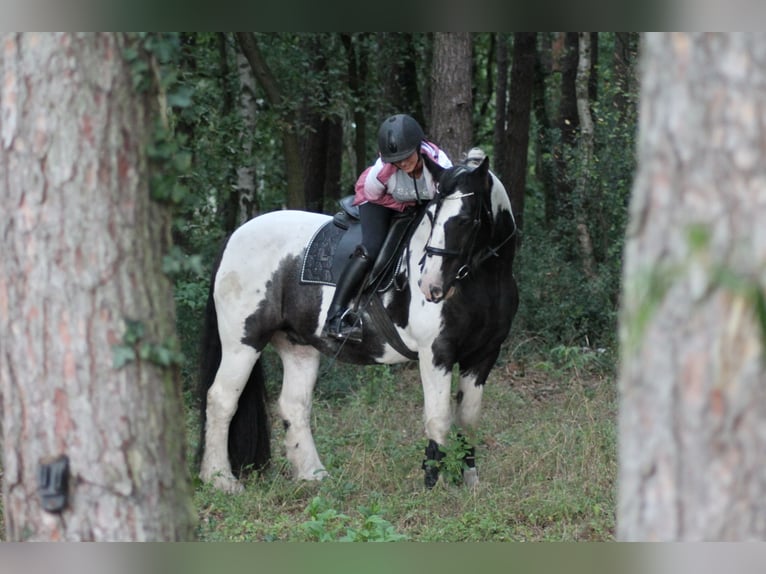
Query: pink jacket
[374, 183]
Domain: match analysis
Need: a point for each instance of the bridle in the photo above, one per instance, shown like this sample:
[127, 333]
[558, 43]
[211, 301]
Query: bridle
[471, 258]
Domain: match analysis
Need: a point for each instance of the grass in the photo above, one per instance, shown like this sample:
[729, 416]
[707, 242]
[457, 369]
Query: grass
[546, 455]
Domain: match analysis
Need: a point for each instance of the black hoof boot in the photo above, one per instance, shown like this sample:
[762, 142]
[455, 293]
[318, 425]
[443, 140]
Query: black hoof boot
[432, 463]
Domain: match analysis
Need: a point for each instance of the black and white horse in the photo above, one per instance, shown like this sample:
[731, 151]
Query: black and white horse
[453, 301]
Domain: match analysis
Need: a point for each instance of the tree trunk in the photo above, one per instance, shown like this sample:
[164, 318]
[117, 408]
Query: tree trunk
[545, 168]
[247, 189]
[519, 115]
[451, 125]
[82, 258]
[692, 423]
[290, 145]
[499, 143]
[585, 146]
[357, 55]
[624, 55]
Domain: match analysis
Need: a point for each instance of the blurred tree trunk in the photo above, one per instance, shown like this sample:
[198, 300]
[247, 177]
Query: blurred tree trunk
[83, 248]
[692, 425]
[293, 161]
[451, 126]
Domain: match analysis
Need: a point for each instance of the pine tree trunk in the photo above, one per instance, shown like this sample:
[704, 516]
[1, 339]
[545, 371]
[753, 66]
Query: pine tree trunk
[692, 423]
[82, 253]
[451, 106]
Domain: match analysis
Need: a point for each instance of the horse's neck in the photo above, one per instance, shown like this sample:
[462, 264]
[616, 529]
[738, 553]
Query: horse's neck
[500, 199]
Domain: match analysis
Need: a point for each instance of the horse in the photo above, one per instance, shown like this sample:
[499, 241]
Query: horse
[453, 299]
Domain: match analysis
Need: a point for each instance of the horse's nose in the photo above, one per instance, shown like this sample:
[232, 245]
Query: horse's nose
[436, 293]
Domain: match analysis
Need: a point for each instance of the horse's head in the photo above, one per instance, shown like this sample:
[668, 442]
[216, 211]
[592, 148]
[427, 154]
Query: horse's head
[462, 226]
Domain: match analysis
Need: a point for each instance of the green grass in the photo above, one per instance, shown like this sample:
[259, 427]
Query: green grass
[546, 455]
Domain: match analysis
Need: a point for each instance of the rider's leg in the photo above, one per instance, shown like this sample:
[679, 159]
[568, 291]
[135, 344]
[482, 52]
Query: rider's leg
[347, 285]
[375, 221]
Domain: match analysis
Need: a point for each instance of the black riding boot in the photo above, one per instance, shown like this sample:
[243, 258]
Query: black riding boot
[340, 323]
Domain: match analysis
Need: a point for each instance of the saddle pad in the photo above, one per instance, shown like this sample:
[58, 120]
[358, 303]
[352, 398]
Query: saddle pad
[327, 252]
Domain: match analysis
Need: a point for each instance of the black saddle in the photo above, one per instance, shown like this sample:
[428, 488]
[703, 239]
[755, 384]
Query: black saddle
[329, 249]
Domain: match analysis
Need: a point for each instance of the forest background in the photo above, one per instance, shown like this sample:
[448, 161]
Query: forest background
[272, 121]
[257, 122]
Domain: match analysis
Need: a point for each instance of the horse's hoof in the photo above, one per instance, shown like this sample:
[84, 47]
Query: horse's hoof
[471, 477]
[230, 486]
[315, 475]
[224, 483]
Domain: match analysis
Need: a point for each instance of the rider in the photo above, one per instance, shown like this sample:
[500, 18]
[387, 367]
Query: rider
[397, 180]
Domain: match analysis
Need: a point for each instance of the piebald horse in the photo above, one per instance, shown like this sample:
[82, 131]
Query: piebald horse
[453, 299]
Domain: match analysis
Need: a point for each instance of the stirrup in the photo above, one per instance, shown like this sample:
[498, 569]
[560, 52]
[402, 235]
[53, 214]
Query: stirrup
[349, 327]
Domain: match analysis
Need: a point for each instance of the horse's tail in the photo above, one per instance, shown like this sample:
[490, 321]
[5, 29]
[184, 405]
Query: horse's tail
[249, 437]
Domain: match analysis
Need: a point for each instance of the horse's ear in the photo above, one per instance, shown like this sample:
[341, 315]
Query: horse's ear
[435, 169]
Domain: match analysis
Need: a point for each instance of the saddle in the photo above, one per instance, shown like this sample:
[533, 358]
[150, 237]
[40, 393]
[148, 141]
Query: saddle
[329, 249]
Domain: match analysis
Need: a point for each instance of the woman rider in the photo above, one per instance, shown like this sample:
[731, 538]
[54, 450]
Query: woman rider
[397, 180]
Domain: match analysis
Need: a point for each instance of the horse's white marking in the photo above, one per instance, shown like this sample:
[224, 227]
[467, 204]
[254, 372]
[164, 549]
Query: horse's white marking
[436, 383]
[431, 275]
[222, 400]
[300, 365]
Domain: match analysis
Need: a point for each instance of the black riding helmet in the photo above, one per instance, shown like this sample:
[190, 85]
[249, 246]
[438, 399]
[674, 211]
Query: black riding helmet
[398, 137]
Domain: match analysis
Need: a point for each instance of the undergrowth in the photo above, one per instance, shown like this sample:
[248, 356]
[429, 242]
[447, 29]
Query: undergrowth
[546, 454]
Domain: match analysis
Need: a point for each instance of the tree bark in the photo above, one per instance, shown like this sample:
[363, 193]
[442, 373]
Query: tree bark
[82, 254]
[692, 424]
[519, 117]
[499, 142]
[585, 145]
[451, 124]
[247, 189]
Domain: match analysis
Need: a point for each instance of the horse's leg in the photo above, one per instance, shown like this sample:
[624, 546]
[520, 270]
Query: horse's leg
[301, 365]
[437, 412]
[470, 392]
[468, 411]
[222, 399]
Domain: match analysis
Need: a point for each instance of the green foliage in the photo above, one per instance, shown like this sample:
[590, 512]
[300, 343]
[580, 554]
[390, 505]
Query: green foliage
[327, 524]
[559, 303]
[134, 347]
[453, 464]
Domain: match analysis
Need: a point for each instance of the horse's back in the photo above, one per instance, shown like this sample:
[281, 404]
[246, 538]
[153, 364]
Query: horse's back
[255, 254]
